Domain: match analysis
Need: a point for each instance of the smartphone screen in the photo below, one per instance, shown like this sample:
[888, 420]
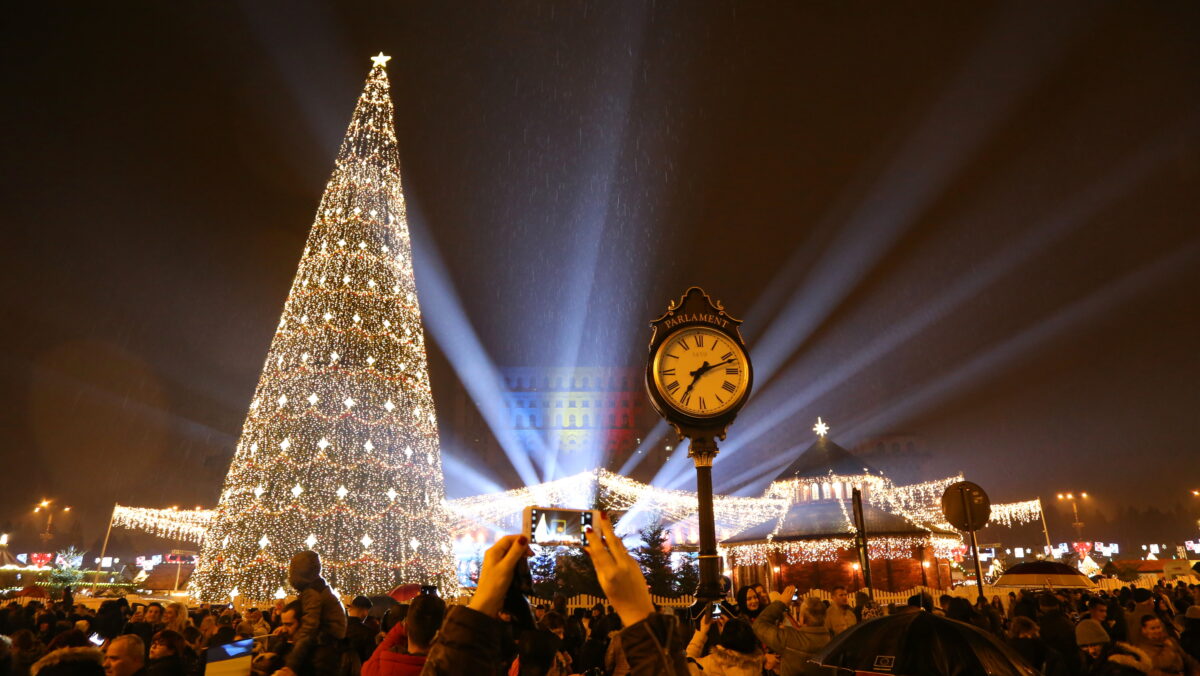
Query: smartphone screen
[96, 639]
[558, 527]
[716, 611]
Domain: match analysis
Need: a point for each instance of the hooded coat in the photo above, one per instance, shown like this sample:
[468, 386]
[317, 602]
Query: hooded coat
[70, 661]
[316, 645]
[794, 646]
[721, 661]
[1118, 659]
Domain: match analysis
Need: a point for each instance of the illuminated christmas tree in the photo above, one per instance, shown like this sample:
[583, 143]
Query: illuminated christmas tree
[339, 452]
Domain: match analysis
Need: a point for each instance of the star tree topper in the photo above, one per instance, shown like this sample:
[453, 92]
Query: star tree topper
[821, 428]
[380, 59]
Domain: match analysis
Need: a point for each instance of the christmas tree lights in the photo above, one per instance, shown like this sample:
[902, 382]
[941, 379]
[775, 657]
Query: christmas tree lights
[339, 452]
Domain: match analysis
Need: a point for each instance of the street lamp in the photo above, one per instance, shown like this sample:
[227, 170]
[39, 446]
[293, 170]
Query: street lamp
[1074, 500]
[48, 534]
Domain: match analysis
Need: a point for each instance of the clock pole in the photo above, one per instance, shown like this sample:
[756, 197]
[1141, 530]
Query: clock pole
[695, 337]
[702, 451]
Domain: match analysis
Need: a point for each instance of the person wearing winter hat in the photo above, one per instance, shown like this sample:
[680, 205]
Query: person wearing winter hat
[1099, 656]
[1091, 637]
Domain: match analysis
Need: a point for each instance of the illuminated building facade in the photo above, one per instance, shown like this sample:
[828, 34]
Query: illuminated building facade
[596, 410]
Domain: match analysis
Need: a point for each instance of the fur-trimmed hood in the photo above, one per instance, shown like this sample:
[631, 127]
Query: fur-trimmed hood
[1129, 656]
[722, 660]
[62, 657]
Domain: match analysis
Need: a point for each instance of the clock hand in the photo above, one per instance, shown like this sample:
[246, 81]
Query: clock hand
[696, 376]
[706, 368]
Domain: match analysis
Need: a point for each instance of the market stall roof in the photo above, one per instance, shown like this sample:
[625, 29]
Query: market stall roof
[821, 519]
[824, 457]
[162, 576]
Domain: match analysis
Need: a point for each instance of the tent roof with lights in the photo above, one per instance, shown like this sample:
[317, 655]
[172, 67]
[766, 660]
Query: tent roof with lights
[828, 519]
[168, 576]
[824, 457]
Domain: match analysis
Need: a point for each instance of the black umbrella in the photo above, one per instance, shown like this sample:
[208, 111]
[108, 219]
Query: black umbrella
[380, 605]
[1033, 574]
[918, 643]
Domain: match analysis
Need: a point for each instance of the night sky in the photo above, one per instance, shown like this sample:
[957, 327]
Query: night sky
[976, 224]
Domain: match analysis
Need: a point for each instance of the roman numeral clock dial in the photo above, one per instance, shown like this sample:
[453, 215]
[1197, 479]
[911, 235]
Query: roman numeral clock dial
[700, 372]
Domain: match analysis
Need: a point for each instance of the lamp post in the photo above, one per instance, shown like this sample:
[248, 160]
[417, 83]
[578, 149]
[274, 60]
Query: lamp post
[1045, 529]
[48, 534]
[703, 450]
[1073, 499]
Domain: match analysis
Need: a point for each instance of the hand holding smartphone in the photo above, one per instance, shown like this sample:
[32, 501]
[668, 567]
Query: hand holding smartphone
[557, 527]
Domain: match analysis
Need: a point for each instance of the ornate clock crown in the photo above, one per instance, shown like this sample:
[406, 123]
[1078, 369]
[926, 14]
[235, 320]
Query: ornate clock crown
[695, 307]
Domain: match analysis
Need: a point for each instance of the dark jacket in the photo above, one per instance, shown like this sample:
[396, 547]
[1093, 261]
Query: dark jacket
[471, 643]
[794, 646]
[316, 645]
[1058, 632]
[655, 646]
[172, 665]
[23, 660]
[1040, 656]
[1189, 640]
[361, 637]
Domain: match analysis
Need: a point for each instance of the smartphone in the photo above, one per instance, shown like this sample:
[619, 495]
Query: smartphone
[96, 639]
[716, 611]
[554, 526]
[429, 590]
[795, 596]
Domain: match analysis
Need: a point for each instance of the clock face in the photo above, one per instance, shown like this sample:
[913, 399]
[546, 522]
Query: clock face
[701, 372]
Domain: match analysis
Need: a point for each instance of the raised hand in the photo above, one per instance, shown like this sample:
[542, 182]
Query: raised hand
[618, 573]
[497, 572]
[784, 596]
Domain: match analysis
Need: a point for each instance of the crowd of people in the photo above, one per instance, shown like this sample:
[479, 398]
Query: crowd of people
[1065, 633]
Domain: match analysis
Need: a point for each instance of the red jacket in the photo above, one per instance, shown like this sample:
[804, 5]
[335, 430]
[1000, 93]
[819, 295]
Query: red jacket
[385, 661]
